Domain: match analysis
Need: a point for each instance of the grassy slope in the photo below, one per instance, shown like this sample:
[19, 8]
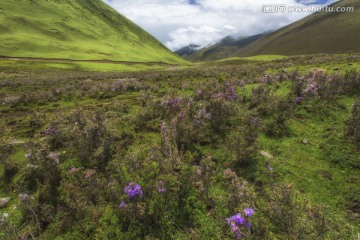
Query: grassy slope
[75, 29]
[22, 65]
[318, 33]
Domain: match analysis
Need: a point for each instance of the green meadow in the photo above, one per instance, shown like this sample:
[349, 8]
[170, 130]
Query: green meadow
[202, 143]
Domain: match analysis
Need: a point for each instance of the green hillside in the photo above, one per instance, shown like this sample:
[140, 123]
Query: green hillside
[321, 32]
[75, 29]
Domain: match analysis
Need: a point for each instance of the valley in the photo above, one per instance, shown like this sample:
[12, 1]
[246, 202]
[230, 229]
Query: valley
[105, 133]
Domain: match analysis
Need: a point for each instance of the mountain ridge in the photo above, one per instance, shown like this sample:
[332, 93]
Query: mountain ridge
[318, 33]
[223, 48]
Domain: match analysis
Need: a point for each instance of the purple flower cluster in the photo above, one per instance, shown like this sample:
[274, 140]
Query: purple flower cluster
[239, 222]
[50, 131]
[217, 95]
[123, 205]
[171, 104]
[133, 190]
[161, 188]
[201, 116]
[311, 88]
[297, 100]
[242, 84]
[228, 92]
[231, 94]
[249, 212]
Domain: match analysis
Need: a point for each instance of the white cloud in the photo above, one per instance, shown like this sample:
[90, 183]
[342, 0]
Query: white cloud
[178, 23]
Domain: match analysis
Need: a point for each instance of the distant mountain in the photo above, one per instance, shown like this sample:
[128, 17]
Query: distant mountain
[224, 48]
[77, 30]
[321, 32]
[185, 51]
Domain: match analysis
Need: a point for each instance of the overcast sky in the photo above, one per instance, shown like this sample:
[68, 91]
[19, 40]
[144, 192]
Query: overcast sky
[178, 23]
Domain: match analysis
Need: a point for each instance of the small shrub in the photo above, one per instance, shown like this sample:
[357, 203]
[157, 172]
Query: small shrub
[276, 126]
[243, 142]
[353, 123]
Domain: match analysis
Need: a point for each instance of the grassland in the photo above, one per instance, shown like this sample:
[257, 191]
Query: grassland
[19, 64]
[77, 30]
[73, 139]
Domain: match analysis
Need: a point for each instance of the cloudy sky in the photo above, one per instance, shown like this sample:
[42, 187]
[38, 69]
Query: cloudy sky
[178, 23]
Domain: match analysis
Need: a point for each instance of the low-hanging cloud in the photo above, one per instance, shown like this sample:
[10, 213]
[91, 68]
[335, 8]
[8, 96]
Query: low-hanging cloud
[178, 23]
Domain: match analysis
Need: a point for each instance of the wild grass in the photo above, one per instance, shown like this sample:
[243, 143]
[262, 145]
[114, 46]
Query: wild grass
[219, 137]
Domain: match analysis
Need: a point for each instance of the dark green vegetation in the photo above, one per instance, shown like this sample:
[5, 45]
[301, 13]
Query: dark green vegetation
[75, 29]
[321, 32]
[219, 138]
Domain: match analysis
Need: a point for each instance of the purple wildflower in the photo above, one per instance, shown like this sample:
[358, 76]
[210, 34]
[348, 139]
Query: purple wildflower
[172, 104]
[238, 219]
[239, 223]
[228, 92]
[311, 88]
[50, 131]
[217, 95]
[297, 100]
[161, 188]
[231, 94]
[234, 228]
[181, 116]
[242, 84]
[201, 115]
[133, 190]
[249, 212]
[123, 205]
[248, 225]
